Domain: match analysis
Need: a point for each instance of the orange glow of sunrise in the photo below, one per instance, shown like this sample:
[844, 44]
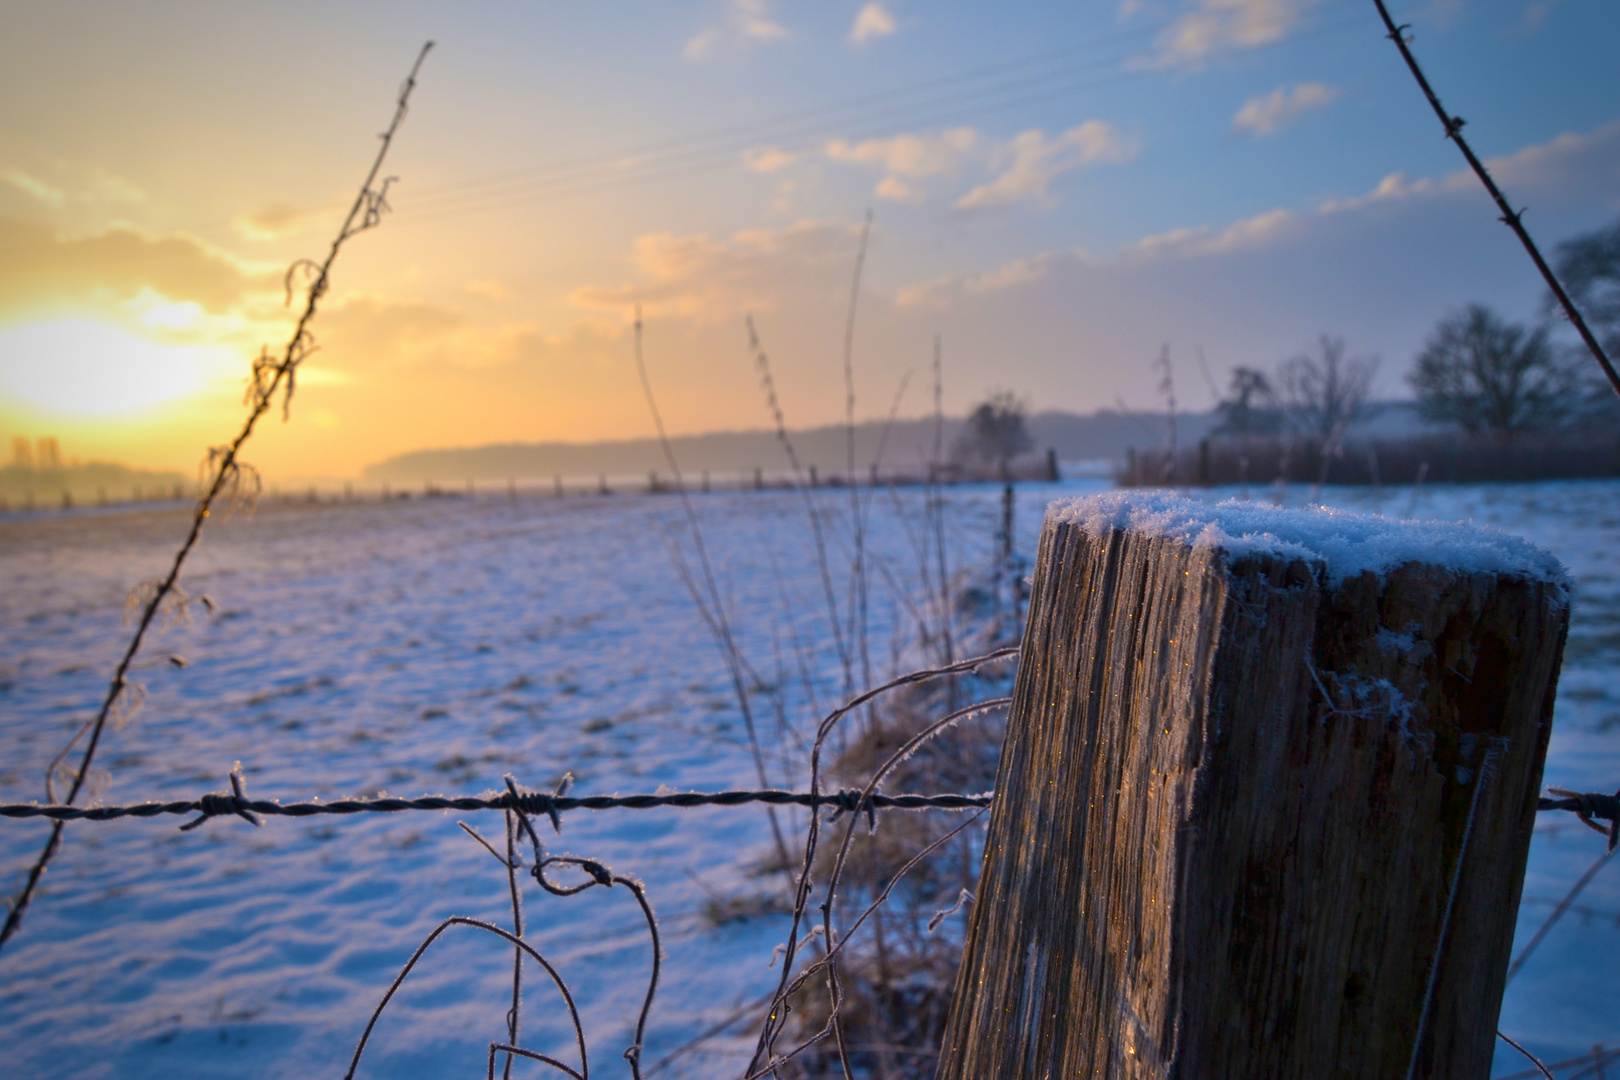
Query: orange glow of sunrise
[84, 368]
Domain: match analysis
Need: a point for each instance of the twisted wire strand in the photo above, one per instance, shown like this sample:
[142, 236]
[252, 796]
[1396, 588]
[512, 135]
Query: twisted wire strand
[848, 800]
[218, 804]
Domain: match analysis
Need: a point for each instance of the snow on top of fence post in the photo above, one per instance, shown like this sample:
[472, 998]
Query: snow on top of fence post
[1345, 544]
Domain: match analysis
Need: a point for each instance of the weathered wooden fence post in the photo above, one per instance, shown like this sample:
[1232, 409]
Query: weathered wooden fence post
[1265, 800]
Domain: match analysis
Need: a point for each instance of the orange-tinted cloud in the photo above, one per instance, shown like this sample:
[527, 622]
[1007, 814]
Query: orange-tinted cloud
[45, 270]
[707, 281]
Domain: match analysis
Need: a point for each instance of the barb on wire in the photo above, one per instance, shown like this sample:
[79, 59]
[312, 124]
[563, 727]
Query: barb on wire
[217, 804]
[235, 803]
[519, 805]
[268, 375]
[1512, 218]
[844, 801]
[1587, 807]
[599, 874]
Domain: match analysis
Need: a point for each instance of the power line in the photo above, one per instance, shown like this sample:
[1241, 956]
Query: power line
[680, 157]
[751, 130]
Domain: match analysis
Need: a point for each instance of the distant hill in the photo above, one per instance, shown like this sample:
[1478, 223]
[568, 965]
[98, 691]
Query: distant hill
[86, 483]
[909, 444]
[1099, 436]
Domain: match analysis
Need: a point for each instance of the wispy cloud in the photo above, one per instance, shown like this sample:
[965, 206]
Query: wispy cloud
[706, 281]
[1031, 161]
[87, 186]
[928, 154]
[769, 159]
[871, 22]
[1216, 26]
[1571, 161]
[44, 269]
[34, 187]
[909, 157]
[897, 190]
[747, 23]
[1257, 231]
[278, 219]
[941, 291]
[1267, 115]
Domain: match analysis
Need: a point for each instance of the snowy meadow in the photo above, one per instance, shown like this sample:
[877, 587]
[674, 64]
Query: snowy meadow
[435, 645]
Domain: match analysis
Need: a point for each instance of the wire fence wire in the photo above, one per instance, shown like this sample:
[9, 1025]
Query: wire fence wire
[825, 942]
[1591, 807]
[224, 804]
[815, 929]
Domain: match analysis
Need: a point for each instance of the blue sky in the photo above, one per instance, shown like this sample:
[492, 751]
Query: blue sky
[1058, 190]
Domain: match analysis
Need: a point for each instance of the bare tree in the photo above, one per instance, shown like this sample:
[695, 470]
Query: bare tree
[996, 431]
[1324, 394]
[1492, 376]
[1589, 265]
[1251, 407]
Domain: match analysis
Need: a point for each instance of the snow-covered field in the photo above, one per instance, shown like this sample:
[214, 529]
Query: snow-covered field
[435, 645]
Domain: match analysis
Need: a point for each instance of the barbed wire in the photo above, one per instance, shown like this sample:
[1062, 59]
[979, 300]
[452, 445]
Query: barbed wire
[1513, 219]
[225, 804]
[1590, 807]
[518, 805]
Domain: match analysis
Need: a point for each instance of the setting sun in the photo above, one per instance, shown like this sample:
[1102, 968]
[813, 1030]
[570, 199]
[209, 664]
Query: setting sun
[85, 368]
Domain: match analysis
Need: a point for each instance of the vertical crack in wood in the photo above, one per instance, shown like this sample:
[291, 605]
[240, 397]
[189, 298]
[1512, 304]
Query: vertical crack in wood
[1227, 809]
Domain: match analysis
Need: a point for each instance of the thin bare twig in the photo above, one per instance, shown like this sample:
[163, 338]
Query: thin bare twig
[1533, 1059]
[519, 943]
[714, 613]
[857, 580]
[1557, 913]
[269, 376]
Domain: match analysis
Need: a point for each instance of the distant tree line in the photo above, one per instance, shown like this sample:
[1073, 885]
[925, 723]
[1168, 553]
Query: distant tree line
[997, 431]
[1484, 373]
[1317, 395]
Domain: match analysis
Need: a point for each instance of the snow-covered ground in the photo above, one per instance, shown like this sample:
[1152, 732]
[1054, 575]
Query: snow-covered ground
[435, 645]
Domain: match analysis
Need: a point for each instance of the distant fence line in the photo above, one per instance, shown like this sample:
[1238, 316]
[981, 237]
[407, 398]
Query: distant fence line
[1045, 469]
[1266, 459]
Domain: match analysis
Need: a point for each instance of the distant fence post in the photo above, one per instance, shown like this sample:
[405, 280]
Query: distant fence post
[1261, 814]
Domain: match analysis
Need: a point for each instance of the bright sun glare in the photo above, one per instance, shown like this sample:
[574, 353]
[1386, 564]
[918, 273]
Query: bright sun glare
[80, 367]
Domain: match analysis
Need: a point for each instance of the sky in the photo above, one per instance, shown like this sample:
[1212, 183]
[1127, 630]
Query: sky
[1057, 191]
